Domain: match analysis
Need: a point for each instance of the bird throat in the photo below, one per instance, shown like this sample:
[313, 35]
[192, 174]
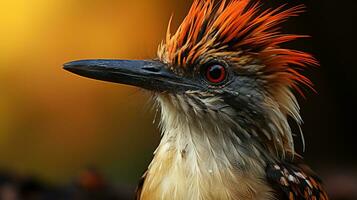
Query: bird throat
[201, 158]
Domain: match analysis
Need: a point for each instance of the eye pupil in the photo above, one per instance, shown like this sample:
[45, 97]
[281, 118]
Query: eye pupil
[216, 74]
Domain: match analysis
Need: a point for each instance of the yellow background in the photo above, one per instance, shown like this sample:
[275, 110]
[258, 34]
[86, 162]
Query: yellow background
[53, 123]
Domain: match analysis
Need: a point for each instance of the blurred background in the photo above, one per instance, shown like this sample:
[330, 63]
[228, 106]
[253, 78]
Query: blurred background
[59, 129]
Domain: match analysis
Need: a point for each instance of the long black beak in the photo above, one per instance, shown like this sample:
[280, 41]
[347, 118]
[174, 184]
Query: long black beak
[151, 75]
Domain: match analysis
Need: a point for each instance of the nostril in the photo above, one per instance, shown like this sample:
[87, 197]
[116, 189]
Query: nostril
[152, 68]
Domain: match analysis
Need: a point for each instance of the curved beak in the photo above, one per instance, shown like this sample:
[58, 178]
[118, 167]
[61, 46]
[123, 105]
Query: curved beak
[147, 74]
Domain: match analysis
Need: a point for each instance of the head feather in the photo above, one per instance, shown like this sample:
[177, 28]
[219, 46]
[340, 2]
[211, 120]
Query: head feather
[241, 32]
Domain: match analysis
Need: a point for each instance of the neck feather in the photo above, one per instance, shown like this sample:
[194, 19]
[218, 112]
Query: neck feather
[206, 136]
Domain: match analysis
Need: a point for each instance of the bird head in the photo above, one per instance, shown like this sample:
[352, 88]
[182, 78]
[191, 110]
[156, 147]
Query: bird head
[224, 65]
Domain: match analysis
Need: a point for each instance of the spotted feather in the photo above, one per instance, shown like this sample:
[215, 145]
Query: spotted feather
[295, 182]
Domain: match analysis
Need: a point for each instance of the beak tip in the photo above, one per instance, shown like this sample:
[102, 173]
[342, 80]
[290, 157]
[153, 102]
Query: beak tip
[71, 66]
[66, 67]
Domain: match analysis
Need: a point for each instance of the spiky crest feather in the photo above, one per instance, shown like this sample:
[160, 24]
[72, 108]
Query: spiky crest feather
[239, 31]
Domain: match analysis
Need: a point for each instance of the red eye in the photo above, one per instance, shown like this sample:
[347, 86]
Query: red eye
[215, 74]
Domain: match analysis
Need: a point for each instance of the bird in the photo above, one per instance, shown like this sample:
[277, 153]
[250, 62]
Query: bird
[227, 94]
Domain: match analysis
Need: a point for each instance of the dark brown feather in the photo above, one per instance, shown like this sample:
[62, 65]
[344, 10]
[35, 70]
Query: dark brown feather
[293, 181]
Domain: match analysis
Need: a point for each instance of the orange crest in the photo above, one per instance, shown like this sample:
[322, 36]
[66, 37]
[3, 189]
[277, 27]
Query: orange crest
[239, 31]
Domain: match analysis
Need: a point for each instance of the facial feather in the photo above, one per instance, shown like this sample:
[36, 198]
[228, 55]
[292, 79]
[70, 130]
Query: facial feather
[247, 39]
